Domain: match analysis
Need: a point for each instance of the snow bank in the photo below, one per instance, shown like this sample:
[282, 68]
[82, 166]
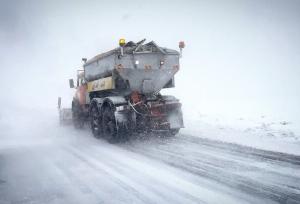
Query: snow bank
[262, 132]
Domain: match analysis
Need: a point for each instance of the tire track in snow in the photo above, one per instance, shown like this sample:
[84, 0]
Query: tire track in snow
[208, 168]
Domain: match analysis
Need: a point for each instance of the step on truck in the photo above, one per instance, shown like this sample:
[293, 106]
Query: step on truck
[118, 91]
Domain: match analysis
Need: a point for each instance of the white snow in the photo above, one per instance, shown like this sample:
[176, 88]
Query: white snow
[262, 132]
[43, 162]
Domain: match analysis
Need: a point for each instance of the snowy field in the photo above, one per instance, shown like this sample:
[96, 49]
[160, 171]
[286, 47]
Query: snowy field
[261, 132]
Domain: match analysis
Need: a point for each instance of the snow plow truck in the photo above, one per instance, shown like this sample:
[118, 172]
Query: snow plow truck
[118, 91]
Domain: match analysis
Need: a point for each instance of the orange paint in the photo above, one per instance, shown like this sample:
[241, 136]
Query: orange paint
[135, 97]
[81, 94]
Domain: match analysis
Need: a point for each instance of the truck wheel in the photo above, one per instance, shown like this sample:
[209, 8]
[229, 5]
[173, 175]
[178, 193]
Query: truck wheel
[109, 125]
[95, 121]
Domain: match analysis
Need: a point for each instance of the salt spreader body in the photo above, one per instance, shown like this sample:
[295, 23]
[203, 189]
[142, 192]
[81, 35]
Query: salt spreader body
[118, 91]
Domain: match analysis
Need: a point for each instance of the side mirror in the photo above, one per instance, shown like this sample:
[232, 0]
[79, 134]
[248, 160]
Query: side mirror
[71, 83]
[59, 103]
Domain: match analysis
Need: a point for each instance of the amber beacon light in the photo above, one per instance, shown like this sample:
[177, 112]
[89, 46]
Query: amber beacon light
[122, 42]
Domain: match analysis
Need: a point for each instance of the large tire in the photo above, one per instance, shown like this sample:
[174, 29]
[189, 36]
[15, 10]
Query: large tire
[96, 122]
[110, 131]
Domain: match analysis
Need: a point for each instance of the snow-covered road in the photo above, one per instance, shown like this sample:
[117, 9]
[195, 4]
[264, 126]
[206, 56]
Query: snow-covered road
[63, 165]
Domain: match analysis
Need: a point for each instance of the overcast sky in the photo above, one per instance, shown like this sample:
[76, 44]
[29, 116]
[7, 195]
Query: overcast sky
[241, 57]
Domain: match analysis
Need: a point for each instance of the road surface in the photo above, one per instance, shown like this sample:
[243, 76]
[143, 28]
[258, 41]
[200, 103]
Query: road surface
[62, 165]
